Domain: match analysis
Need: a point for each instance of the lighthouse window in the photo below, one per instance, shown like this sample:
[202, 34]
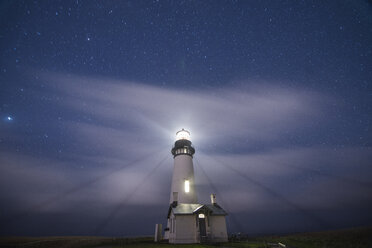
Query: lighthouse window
[187, 186]
[185, 150]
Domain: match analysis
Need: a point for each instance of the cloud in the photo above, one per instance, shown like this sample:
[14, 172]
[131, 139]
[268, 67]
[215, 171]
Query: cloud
[314, 177]
[253, 114]
[116, 133]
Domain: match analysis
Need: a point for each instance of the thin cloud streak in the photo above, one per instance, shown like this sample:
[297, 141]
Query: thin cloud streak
[256, 113]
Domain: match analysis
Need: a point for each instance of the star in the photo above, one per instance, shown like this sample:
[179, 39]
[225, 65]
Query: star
[9, 118]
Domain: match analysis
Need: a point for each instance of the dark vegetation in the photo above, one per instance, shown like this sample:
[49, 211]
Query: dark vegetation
[350, 238]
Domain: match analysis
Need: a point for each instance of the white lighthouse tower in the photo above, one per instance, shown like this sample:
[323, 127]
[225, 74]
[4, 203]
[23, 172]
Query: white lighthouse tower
[188, 221]
[183, 184]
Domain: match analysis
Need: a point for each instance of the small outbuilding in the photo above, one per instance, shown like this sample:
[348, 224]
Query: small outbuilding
[196, 223]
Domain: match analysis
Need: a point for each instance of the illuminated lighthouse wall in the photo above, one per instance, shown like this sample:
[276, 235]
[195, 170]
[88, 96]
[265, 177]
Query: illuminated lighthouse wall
[183, 186]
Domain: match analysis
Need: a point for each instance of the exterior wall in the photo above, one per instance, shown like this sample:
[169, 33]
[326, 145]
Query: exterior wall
[171, 232]
[217, 228]
[185, 230]
[166, 233]
[183, 170]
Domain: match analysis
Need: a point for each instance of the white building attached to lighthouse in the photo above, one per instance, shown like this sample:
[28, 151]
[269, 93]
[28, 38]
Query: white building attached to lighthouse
[188, 220]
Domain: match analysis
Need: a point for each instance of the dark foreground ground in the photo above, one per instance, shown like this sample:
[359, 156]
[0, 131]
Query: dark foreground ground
[355, 238]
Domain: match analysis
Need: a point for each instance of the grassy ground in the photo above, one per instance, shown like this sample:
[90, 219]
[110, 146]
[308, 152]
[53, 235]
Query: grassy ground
[102, 242]
[352, 238]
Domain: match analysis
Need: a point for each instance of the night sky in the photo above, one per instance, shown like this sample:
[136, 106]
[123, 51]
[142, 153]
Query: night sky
[277, 96]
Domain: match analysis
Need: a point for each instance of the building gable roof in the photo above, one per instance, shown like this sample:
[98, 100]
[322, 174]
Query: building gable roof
[189, 209]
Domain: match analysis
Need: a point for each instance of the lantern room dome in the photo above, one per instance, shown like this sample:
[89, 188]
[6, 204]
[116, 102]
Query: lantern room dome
[183, 135]
[183, 145]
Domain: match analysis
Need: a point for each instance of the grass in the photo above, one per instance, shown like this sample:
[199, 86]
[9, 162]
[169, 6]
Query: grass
[351, 238]
[102, 242]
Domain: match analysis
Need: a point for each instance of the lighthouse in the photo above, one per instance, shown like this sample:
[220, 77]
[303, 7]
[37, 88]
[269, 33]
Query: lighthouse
[189, 221]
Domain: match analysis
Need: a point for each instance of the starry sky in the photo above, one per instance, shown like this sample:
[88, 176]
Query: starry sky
[277, 96]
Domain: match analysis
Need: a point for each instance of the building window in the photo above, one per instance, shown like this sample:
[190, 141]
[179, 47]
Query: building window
[201, 216]
[187, 186]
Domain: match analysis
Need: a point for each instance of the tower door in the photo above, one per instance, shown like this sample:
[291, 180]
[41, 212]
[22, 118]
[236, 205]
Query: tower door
[202, 227]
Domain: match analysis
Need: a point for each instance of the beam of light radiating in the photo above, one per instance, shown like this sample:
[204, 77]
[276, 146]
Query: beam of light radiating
[214, 188]
[330, 175]
[320, 222]
[125, 200]
[75, 189]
